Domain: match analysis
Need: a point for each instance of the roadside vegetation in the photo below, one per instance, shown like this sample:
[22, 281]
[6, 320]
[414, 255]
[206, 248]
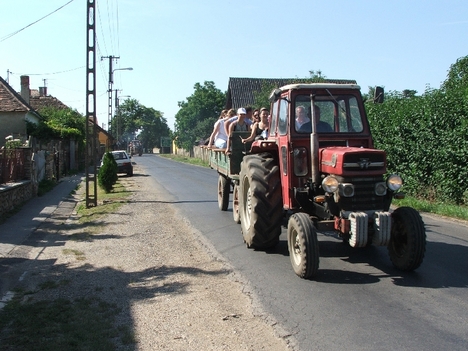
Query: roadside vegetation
[107, 203]
[438, 208]
[426, 138]
[88, 323]
[186, 159]
[107, 175]
[81, 324]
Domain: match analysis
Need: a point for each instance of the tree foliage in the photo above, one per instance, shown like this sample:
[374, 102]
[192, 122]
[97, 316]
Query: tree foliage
[107, 175]
[58, 124]
[153, 126]
[195, 118]
[457, 78]
[133, 118]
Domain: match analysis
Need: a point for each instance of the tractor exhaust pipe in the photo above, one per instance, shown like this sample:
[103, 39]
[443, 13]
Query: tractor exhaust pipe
[314, 145]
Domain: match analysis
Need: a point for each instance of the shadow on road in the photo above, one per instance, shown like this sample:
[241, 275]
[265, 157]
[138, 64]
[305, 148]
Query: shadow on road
[445, 265]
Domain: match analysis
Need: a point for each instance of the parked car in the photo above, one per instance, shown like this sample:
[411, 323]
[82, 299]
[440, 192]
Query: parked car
[124, 162]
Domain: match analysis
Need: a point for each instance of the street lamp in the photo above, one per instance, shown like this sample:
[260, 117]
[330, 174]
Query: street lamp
[111, 81]
[111, 78]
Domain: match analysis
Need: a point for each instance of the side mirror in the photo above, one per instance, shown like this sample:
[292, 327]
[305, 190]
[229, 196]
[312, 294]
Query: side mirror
[378, 95]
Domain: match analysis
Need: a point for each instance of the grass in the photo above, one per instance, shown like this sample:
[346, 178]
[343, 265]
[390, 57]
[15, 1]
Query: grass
[186, 159]
[82, 324]
[87, 323]
[108, 203]
[439, 208]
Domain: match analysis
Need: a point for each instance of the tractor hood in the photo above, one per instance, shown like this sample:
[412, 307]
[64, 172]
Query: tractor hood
[352, 161]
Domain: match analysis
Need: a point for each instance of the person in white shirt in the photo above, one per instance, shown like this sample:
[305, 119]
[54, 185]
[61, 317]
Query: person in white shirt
[219, 135]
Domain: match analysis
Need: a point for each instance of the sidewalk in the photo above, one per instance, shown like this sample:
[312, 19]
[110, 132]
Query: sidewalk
[38, 216]
[35, 212]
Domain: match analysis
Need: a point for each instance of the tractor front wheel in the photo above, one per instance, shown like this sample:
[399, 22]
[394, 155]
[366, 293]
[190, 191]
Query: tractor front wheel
[408, 239]
[303, 245]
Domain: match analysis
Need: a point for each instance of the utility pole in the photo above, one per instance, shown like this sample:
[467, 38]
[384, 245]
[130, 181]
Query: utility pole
[109, 90]
[91, 152]
[117, 114]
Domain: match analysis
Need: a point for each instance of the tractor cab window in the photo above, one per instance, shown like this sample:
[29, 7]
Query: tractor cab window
[283, 117]
[334, 114]
[274, 118]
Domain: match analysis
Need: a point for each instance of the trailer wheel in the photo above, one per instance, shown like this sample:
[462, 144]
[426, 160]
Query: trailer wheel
[408, 239]
[224, 186]
[303, 245]
[260, 201]
[235, 204]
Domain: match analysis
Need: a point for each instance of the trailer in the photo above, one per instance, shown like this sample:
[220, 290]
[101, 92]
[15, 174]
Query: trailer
[228, 167]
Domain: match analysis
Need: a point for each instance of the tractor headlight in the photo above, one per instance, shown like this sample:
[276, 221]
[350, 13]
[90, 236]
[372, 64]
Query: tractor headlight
[346, 190]
[330, 184]
[380, 189]
[394, 182]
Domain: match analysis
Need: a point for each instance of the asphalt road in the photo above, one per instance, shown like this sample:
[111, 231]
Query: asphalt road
[358, 301]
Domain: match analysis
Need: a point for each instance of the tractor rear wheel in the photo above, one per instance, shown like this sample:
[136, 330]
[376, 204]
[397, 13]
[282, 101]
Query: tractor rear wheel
[260, 201]
[224, 187]
[235, 204]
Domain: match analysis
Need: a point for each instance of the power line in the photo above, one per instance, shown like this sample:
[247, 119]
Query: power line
[29, 25]
[47, 74]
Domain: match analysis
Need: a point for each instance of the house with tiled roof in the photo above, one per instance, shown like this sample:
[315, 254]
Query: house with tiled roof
[39, 100]
[241, 91]
[15, 111]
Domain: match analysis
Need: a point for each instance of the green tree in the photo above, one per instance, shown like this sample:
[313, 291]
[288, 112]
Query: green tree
[457, 77]
[107, 175]
[59, 124]
[206, 103]
[133, 118]
[125, 123]
[153, 126]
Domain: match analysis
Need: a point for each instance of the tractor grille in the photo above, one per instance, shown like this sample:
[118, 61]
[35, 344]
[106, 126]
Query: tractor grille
[364, 198]
[364, 161]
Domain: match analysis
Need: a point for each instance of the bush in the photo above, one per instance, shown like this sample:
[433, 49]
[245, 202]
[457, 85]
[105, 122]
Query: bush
[426, 139]
[107, 175]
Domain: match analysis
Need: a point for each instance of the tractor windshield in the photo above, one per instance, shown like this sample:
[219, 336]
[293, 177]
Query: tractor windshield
[334, 114]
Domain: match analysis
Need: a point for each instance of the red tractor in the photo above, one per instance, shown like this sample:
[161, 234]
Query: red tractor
[318, 171]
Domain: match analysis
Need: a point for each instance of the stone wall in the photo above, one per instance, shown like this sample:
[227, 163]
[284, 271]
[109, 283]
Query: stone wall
[14, 195]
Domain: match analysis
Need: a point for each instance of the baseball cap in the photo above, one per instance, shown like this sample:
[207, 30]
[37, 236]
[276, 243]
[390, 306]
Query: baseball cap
[241, 111]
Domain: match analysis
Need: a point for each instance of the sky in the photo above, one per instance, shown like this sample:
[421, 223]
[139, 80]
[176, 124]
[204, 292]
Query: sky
[173, 44]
